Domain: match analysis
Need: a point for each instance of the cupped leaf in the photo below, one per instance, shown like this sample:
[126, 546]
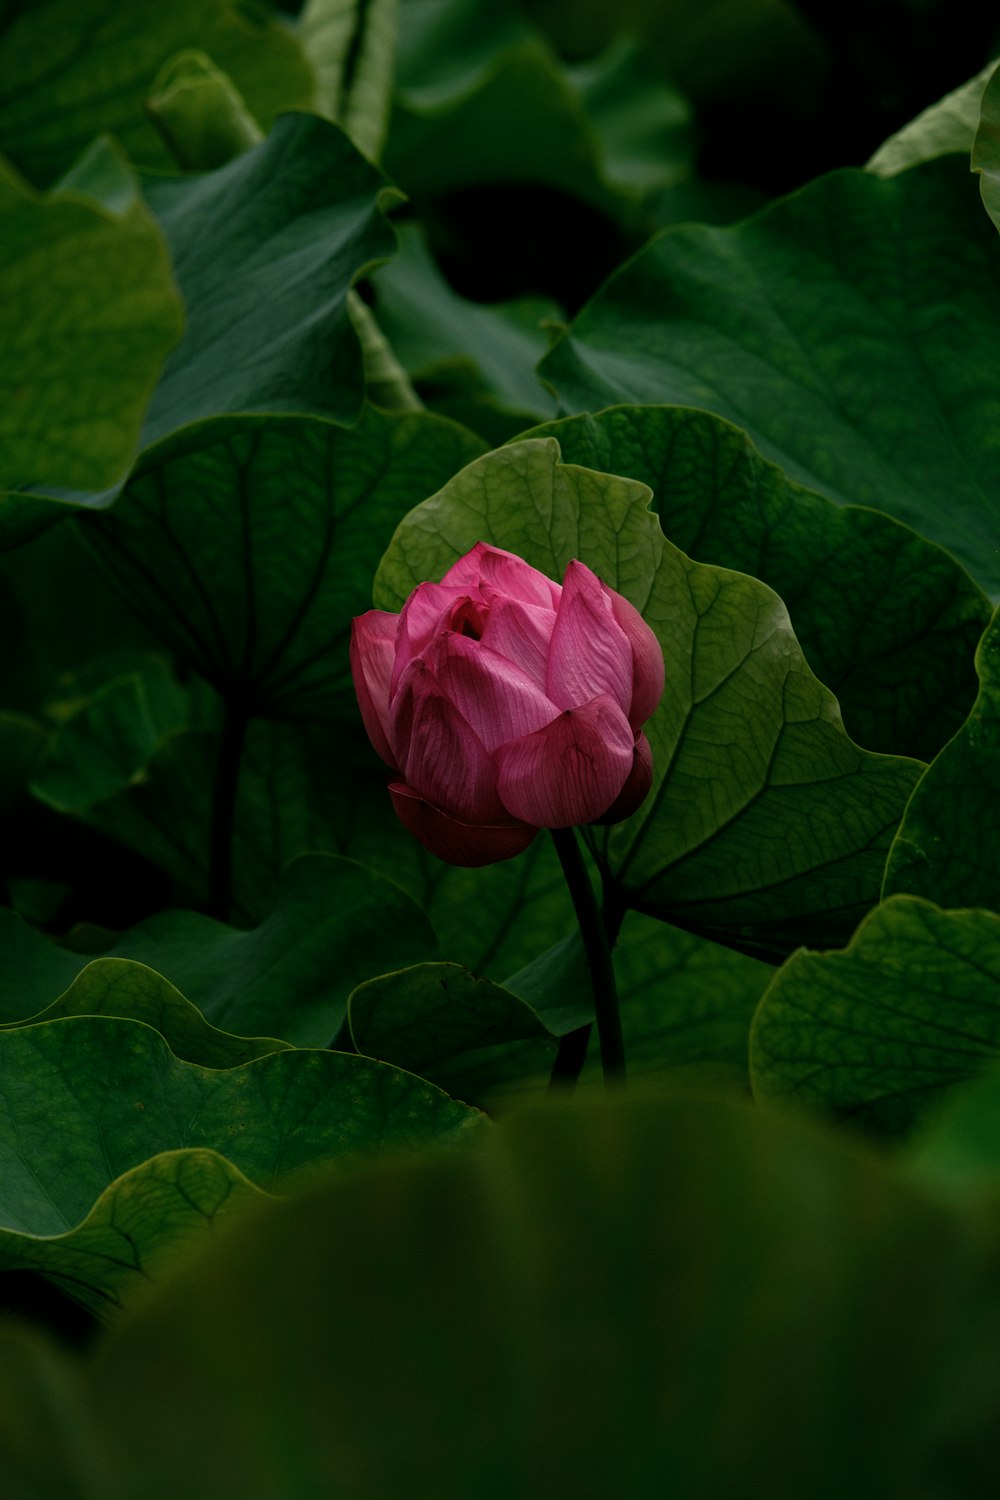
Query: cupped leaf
[948, 845]
[886, 620]
[266, 249]
[986, 148]
[131, 991]
[74, 68]
[248, 543]
[766, 825]
[460, 1304]
[90, 313]
[352, 50]
[879, 1033]
[851, 338]
[332, 925]
[482, 97]
[121, 1099]
[466, 1034]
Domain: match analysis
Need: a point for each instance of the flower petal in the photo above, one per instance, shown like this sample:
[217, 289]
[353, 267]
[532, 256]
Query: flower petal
[519, 632]
[423, 615]
[456, 842]
[373, 649]
[647, 659]
[572, 770]
[636, 788]
[507, 572]
[494, 695]
[446, 763]
[589, 654]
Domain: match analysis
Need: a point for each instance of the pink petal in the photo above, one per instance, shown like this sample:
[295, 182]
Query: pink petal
[647, 659]
[446, 763]
[519, 632]
[507, 572]
[636, 788]
[373, 648]
[572, 770]
[425, 613]
[589, 654]
[494, 695]
[456, 842]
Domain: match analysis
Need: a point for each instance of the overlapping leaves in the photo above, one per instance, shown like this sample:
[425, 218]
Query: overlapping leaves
[766, 825]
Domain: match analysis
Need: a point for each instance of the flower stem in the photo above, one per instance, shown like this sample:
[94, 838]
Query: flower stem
[570, 1058]
[598, 951]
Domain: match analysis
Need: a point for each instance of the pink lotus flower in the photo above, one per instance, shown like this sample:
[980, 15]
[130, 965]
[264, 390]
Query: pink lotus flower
[505, 703]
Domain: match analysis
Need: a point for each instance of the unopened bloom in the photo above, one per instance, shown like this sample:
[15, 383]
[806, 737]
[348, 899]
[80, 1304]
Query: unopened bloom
[505, 703]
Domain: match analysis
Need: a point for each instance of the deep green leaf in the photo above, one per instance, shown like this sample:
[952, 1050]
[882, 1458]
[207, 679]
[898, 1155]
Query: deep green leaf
[122, 1100]
[132, 992]
[47, 1445]
[958, 1150]
[467, 1035]
[879, 1033]
[948, 845]
[482, 97]
[333, 924]
[90, 314]
[766, 825]
[850, 328]
[266, 250]
[615, 1298]
[465, 357]
[74, 68]
[885, 619]
[247, 544]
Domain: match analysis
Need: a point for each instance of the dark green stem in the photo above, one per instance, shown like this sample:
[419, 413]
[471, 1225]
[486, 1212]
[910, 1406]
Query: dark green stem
[598, 951]
[227, 780]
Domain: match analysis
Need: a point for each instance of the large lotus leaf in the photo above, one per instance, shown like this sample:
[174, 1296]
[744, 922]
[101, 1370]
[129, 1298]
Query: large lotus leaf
[887, 620]
[266, 250]
[248, 543]
[74, 68]
[800, 325]
[133, 992]
[121, 1098]
[90, 313]
[766, 825]
[466, 359]
[879, 1033]
[332, 925]
[946, 127]
[633, 1297]
[482, 97]
[466, 1034]
[686, 1003]
[948, 845]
